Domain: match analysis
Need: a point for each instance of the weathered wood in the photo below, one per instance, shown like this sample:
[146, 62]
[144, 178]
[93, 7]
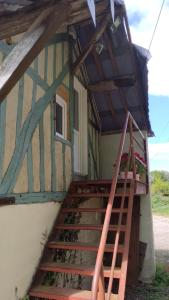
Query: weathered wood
[102, 76]
[7, 200]
[103, 86]
[29, 47]
[15, 22]
[113, 83]
[96, 36]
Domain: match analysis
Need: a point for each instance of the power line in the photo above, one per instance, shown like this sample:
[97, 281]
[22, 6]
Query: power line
[151, 41]
[156, 25]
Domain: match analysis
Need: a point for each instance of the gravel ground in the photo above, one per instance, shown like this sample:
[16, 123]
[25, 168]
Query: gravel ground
[161, 242]
[161, 238]
[147, 292]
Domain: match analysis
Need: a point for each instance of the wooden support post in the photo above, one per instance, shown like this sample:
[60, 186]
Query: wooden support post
[30, 45]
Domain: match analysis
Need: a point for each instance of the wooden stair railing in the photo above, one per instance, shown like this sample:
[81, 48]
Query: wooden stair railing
[130, 122]
[118, 196]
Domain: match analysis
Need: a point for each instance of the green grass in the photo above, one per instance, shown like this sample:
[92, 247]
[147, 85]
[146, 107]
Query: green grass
[158, 290]
[160, 205]
[161, 279]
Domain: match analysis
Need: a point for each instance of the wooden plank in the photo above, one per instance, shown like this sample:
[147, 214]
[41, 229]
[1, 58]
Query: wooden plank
[113, 83]
[96, 36]
[102, 76]
[74, 269]
[82, 246]
[7, 201]
[19, 21]
[55, 293]
[133, 264]
[107, 85]
[29, 47]
[91, 210]
[88, 227]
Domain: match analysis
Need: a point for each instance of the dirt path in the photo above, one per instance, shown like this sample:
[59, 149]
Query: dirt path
[161, 238]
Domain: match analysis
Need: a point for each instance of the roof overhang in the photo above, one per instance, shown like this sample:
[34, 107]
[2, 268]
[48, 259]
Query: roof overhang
[117, 75]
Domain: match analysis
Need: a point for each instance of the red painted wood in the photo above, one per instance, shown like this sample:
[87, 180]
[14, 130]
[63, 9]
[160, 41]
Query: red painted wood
[74, 269]
[54, 293]
[92, 210]
[92, 182]
[95, 195]
[89, 195]
[88, 227]
[82, 246]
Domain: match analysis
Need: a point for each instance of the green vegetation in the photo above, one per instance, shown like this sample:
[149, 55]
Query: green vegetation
[162, 277]
[160, 192]
[158, 290]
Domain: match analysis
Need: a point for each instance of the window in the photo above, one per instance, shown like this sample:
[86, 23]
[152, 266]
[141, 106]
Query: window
[60, 117]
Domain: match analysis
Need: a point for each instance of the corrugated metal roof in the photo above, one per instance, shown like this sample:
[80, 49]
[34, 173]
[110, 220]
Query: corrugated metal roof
[128, 59]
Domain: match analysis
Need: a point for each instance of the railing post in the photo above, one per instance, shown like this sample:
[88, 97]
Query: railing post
[146, 160]
[132, 147]
[101, 292]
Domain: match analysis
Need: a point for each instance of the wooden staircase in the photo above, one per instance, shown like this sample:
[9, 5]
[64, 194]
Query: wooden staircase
[109, 270]
[78, 193]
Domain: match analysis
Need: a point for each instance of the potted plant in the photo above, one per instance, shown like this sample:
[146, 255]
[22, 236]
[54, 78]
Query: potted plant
[123, 166]
[140, 166]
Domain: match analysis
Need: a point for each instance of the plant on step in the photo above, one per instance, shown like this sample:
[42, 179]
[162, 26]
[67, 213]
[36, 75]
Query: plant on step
[139, 163]
[124, 161]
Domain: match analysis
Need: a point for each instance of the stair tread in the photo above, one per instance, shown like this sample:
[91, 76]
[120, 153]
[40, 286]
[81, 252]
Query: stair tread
[55, 293]
[82, 246]
[92, 182]
[88, 227]
[91, 195]
[81, 209]
[95, 195]
[76, 269]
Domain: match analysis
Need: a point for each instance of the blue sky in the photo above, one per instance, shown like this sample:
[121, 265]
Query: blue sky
[143, 16]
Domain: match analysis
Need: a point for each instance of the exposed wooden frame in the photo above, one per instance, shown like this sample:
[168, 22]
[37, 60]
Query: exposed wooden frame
[101, 74]
[96, 36]
[29, 47]
[112, 84]
[120, 111]
[85, 81]
[116, 69]
[133, 61]
[102, 86]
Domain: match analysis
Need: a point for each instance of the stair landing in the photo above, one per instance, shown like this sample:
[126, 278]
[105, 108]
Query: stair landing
[141, 187]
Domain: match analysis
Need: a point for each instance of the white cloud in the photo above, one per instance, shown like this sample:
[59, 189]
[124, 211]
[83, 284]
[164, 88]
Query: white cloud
[159, 156]
[148, 11]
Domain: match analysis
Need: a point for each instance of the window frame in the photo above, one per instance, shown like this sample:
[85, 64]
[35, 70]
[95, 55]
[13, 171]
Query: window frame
[59, 100]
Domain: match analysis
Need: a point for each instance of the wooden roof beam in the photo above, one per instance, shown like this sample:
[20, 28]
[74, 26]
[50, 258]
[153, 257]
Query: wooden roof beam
[120, 111]
[116, 69]
[113, 84]
[30, 46]
[96, 36]
[102, 74]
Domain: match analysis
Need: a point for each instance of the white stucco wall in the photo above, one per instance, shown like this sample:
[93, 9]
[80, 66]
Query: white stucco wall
[23, 233]
[109, 150]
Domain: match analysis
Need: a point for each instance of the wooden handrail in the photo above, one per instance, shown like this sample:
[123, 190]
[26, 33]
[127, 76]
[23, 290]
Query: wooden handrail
[103, 239]
[99, 260]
